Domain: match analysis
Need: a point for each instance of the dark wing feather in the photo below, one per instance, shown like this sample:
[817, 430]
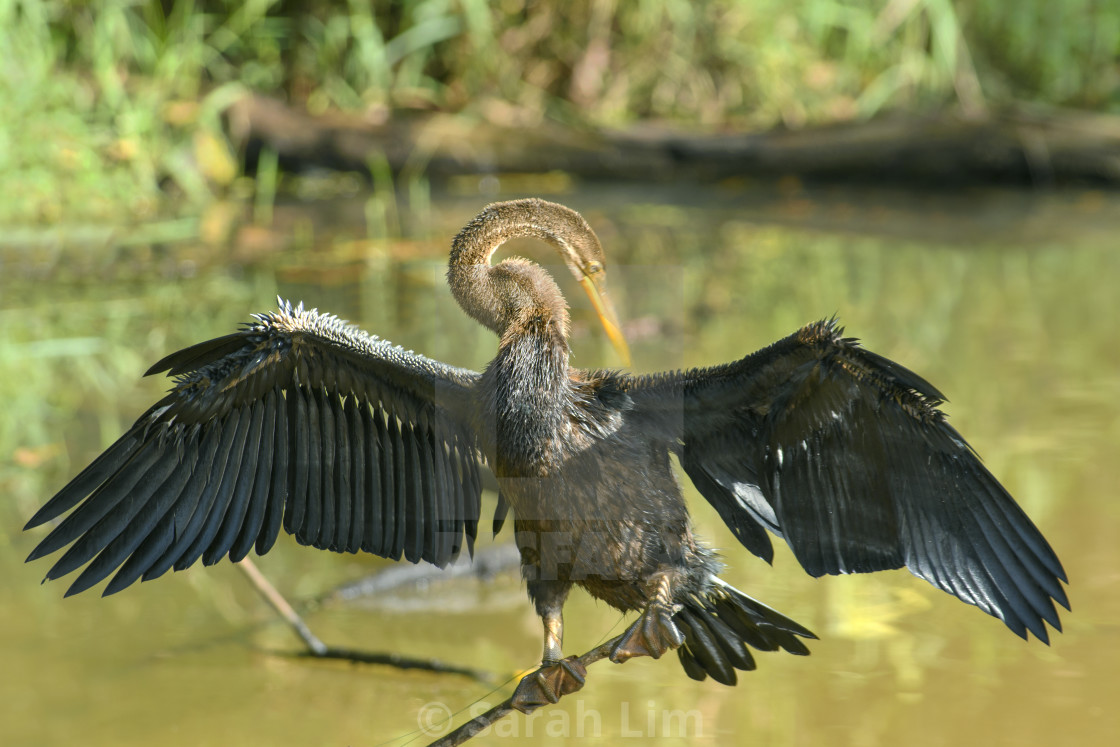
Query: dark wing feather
[846, 455]
[299, 420]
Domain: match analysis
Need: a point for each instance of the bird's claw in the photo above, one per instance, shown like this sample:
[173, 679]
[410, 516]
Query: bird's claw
[548, 684]
[652, 634]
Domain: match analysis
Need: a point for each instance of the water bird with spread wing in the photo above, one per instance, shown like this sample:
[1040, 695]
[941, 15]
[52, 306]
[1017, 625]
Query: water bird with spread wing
[304, 422]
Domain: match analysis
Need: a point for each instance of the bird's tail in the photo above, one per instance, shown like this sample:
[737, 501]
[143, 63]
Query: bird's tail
[720, 624]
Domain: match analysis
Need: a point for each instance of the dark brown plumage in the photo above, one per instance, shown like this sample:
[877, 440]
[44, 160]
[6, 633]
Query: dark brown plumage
[302, 421]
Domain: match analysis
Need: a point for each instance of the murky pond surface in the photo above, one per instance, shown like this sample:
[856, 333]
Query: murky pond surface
[1008, 302]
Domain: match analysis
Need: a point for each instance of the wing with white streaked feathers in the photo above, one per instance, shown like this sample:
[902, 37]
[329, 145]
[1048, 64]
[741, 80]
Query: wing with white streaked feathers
[298, 420]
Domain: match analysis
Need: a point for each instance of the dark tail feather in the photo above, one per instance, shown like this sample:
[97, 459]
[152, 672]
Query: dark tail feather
[719, 626]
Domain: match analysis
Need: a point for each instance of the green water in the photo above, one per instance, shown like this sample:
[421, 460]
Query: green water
[1008, 302]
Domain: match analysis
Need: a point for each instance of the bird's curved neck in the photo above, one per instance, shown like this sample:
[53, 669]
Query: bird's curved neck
[514, 296]
[502, 221]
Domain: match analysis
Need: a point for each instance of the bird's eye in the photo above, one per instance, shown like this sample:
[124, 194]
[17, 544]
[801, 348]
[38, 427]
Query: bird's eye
[594, 267]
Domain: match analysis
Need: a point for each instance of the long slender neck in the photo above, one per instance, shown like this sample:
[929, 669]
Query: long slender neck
[527, 384]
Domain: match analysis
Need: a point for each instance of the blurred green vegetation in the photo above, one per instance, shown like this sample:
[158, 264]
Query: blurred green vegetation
[110, 107]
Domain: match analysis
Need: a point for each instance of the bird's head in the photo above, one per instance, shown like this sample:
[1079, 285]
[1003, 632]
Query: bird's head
[561, 227]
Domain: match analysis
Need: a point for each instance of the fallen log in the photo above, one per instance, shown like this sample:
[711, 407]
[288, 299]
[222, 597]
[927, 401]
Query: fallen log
[1031, 147]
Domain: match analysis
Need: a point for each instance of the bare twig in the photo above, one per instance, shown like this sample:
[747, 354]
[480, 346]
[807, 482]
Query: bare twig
[277, 601]
[503, 709]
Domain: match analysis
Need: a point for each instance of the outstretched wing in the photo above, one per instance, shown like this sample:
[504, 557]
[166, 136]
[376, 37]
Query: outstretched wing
[846, 455]
[298, 420]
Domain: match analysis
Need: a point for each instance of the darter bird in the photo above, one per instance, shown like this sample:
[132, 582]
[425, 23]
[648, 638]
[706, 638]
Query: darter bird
[304, 422]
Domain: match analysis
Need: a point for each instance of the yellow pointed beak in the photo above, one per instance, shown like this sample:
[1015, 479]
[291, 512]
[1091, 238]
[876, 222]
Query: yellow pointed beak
[607, 316]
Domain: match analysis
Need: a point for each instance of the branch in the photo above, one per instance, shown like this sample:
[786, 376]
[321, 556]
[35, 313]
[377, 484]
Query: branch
[276, 600]
[503, 709]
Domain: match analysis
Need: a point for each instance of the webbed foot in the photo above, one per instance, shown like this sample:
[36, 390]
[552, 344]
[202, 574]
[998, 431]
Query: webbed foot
[652, 634]
[548, 684]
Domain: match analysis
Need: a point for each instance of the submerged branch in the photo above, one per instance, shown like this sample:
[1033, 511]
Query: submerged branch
[316, 649]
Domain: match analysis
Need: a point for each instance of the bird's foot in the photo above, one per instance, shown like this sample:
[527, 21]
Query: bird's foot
[548, 684]
[652, 634]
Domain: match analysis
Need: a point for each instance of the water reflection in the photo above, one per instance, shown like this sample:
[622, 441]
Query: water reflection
[1006, 302]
